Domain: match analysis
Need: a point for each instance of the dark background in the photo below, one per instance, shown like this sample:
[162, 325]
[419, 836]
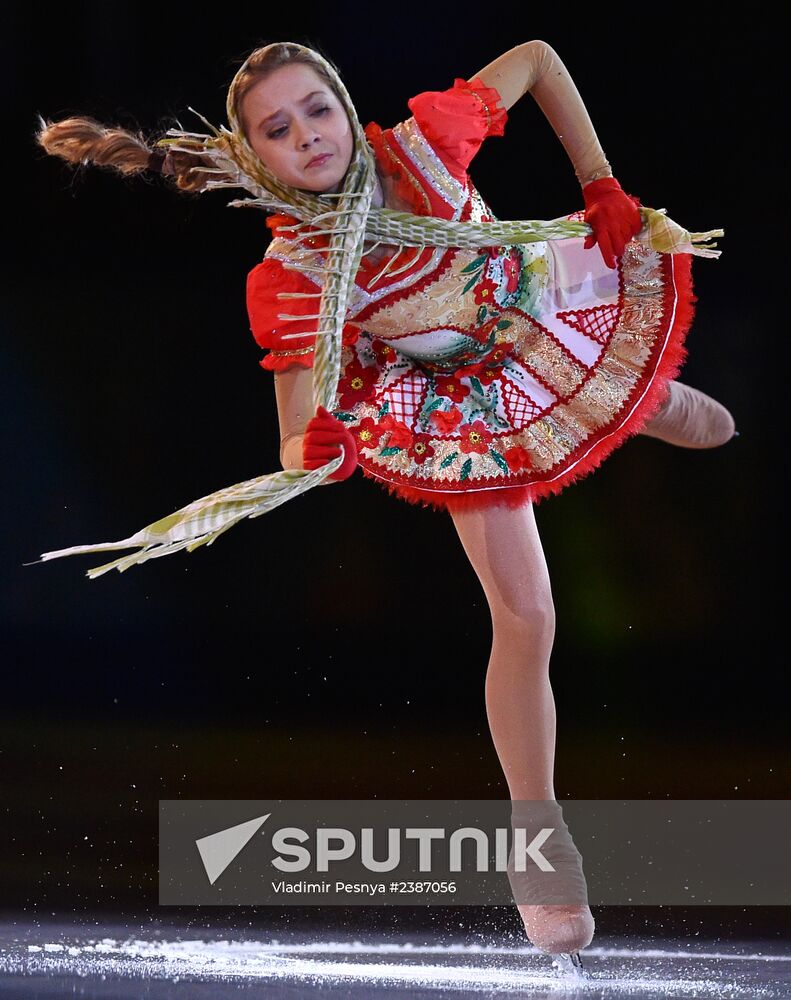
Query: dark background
[337, 647]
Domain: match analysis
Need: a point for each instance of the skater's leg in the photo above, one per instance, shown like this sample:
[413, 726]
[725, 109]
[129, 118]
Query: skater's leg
[690, 419]
[505, 551]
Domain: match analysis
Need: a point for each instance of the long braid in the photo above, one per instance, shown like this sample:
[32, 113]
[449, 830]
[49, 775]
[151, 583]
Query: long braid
[82, 140]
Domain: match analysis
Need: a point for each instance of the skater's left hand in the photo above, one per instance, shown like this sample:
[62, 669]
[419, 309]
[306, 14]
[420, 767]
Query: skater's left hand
[613, 215]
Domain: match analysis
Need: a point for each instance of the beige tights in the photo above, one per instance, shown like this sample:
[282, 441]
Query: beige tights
[505, 551]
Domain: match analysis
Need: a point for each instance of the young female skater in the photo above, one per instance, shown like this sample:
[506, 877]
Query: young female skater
[472, 378]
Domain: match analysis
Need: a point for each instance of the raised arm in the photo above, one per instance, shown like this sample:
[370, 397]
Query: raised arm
[535, 67]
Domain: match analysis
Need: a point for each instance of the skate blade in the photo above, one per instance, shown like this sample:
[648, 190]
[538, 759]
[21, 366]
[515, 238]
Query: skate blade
[569, 966]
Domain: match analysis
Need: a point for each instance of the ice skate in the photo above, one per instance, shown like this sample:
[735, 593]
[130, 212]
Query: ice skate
[553, 904]
[558, 929]
[691, 419]
[570, 966]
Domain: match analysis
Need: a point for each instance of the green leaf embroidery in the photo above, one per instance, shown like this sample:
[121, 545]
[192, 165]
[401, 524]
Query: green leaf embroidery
[475, 264]
[470, 283]
[503, 324]
[430, 407]
[446, 461]
[390, 451]
[465, 469]
[385, 408]
[481, 314]
[476, 384]
[500, 461]
[347, 417]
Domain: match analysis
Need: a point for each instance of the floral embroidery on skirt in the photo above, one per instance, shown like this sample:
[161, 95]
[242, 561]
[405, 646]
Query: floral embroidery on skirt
[566, 358]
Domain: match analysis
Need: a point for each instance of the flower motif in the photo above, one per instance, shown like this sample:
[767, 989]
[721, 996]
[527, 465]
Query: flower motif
[357, 385]
[385, 354]
[400, 435]
[511, 269]
[488, 369]
[368, 433]
[447, 421]
[484, 375]
[518, 458]
[475, 437]
[484, 292]
[421, 448]
[498, 354]
[447, 385]
[350, 334]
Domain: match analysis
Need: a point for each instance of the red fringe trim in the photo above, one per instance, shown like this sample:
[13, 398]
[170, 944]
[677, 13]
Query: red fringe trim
[670, 365]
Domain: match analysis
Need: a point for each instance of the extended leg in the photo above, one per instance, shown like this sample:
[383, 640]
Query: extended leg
[690, 419]
[505, 550]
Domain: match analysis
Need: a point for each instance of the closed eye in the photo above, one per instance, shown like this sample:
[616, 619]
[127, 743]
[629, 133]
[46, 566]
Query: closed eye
[280, 131]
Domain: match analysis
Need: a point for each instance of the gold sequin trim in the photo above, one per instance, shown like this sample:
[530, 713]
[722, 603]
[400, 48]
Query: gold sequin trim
[485, 106]
[293, 354]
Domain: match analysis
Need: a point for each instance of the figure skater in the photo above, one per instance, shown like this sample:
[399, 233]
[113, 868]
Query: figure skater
[472, 377]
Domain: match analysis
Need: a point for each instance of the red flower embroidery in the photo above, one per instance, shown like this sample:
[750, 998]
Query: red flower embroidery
[368, 433]
[421, 448]
[484, 292]
[511, 268]
[447, 385]
[487, 370]
[475, 437]
[400, 434]
[357, 384]
[518, 458]
[384, 352]
[447, 421]
[350, 334]
[498, 354]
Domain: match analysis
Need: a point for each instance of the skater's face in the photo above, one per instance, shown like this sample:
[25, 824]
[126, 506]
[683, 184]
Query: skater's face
[290, 117]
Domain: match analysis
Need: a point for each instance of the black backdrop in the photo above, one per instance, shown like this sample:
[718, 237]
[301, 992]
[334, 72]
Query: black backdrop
[337, 647]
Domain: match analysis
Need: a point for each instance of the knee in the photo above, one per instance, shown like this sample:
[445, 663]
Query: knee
[530, 618]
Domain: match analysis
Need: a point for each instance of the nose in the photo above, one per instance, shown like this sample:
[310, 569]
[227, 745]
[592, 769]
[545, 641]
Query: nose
[307, 137]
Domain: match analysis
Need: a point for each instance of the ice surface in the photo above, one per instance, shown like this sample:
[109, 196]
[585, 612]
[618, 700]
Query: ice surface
[165, 964]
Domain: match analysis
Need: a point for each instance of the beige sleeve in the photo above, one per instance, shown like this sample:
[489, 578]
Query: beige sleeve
[294, 396]
[535, 67]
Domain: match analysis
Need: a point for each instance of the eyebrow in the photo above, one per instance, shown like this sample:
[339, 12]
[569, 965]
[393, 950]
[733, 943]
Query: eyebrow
[304, 100]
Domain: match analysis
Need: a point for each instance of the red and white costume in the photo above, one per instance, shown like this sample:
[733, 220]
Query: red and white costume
[497, 375]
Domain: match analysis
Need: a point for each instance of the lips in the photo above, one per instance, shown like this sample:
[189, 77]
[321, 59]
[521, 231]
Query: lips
[318, 160]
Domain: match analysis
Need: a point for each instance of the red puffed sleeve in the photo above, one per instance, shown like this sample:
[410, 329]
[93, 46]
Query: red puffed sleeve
[264, 283]
[457, 120]
[263, 307]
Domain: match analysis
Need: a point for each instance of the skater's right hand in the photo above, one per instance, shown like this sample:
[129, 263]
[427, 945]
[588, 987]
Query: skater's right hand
[322, 437]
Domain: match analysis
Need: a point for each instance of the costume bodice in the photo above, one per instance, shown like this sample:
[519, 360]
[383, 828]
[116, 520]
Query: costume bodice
[423, 163]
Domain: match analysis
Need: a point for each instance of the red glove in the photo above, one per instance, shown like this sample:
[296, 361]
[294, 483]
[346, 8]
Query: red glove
[613, 215]
[320, 444]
